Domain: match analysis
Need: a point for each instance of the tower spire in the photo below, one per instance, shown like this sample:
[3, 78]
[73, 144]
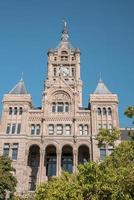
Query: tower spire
[64, 35]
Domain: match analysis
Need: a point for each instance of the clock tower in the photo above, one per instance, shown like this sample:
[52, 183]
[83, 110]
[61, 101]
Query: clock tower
[64, 67]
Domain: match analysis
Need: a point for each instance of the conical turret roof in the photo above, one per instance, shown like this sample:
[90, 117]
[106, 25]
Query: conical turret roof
[19, 88]
[102, 88]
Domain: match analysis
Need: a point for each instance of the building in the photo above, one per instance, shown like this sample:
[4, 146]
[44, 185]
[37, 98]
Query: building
[61, 134]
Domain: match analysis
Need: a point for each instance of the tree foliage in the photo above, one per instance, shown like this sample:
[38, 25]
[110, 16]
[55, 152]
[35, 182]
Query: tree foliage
[7, 180]
[64, 187]
[106, 136]
[111, 179]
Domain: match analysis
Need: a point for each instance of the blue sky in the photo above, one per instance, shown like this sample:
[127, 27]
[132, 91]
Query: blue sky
[102, 29]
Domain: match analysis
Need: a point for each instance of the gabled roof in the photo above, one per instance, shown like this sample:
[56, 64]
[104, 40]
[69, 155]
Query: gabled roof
[102, 88]
[19, 88]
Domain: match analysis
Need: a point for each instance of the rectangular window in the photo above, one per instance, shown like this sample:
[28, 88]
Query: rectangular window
[51, 129]
[53, 107]
[15, 151]
[81, 129]
[32, 129]
[99, 126]
[66, 107]
[86, 130]
[68, 129]
[54, 71]
[59, 129]
[110, 126]
[73, 72]
[6, 149]
[60, 107]
[104, 125]
[18, 128]
[102, 152]
[38, 129]
[8, 128]
[13, 128]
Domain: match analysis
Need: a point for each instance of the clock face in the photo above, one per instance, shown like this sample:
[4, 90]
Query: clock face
[64, 70]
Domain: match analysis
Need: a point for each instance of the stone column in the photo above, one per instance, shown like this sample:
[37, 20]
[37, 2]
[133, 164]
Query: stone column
[41, 166]
[58, 169]
[75, 160]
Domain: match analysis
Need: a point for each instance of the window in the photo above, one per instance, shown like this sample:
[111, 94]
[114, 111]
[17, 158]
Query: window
[51, 129]
[8, 128]
[86, 130]
[102, 152]
[64, 58]
[66, 107]
[109, 111]
[38, 129]
[68, 129]
[110, 126]
[32, 129]
[73, 72]
[60, 107]
[59, 129]
[55, 58]
[104, 111]
[15, 151]
[72, 58]
[54, 71]
[6, 149]
[99, 111]
[53, 107]
[104, 125]
[99, 126]
[15, 111]
[18, 128]
[20, 111]
[10, 110]
[13, 128]
[81, 129]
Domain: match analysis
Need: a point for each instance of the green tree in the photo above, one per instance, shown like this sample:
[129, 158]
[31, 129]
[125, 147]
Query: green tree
[129, 112]
[64, 187]
[106, 136]
[7, 180]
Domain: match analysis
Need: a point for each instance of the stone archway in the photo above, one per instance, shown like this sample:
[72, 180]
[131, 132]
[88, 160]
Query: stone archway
[33, 162]
[83, 154]
[67, 158]
[51, 160]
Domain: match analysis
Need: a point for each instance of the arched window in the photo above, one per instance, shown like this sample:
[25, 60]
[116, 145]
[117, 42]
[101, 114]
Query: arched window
[109, 111]
[10, 110]
[20, 111]
[15, 111]
[104, 111]
[99, 111]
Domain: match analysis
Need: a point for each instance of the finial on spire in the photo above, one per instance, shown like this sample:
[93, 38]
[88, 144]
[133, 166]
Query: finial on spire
[22, 74]
[100, 79]
[65, 24]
